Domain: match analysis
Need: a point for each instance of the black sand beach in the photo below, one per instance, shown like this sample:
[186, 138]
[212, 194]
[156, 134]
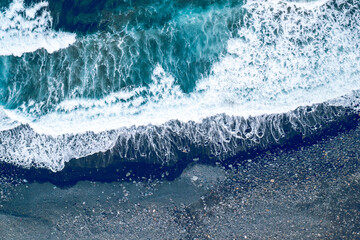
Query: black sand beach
[179, 119]
[307, 192]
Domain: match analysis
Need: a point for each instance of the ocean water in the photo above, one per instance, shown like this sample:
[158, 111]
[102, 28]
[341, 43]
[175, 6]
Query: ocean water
[179, 119]
[170, 81]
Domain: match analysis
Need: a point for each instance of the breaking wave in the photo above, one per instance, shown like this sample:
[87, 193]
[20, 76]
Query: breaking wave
[154, 82]
[26, 29]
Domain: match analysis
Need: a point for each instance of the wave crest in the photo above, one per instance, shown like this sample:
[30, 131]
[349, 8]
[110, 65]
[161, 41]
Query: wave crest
[27, 29]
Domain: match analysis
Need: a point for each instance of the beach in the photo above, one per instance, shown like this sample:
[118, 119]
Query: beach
[179, 119]
[310, 191]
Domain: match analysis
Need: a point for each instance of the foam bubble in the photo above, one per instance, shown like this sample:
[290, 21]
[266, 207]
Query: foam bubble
[26, 29]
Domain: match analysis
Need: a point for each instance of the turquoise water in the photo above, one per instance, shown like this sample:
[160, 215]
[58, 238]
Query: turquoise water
[179, 119]
[123, 53]
[77, 76]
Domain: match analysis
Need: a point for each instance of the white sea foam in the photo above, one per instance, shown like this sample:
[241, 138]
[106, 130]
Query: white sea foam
[307, 4]
[7, 121]
[285, 57]
[26, 29]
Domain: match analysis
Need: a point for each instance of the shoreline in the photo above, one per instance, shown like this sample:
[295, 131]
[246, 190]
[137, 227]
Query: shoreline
[108, 166]
[309, 191]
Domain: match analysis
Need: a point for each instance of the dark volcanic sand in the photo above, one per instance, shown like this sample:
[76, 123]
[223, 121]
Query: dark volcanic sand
[312, 192]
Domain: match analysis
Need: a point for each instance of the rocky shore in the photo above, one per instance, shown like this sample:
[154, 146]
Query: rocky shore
[310, 191]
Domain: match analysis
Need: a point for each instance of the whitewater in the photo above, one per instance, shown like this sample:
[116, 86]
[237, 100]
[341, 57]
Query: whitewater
[67, 95]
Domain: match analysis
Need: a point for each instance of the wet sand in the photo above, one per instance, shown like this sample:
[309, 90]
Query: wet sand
[311, 191]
